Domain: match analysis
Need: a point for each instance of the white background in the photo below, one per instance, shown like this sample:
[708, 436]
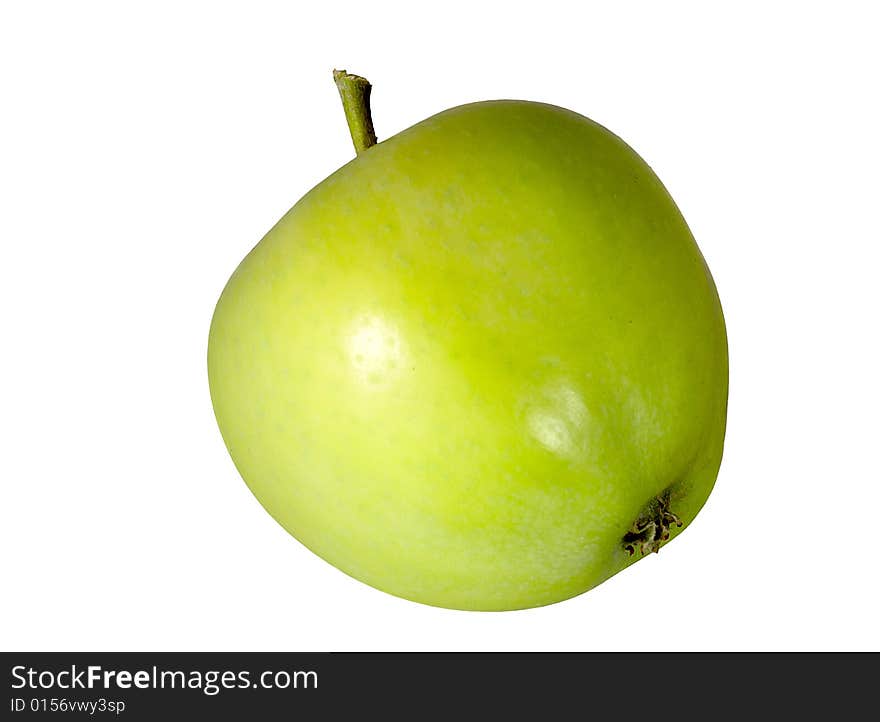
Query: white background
[146, 147]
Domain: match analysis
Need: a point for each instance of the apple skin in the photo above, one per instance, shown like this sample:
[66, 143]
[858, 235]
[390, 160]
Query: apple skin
[461, 367]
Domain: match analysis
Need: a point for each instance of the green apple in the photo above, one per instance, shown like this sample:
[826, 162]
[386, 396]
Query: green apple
[481, 366]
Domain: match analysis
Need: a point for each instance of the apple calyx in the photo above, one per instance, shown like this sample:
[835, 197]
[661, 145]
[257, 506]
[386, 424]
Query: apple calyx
[355, 93]
[652, 527]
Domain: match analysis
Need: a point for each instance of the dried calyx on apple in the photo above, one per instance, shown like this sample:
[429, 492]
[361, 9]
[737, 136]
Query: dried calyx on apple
[652, 527]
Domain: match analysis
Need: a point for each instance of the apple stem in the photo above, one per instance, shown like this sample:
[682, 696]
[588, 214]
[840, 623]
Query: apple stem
[355, 93]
